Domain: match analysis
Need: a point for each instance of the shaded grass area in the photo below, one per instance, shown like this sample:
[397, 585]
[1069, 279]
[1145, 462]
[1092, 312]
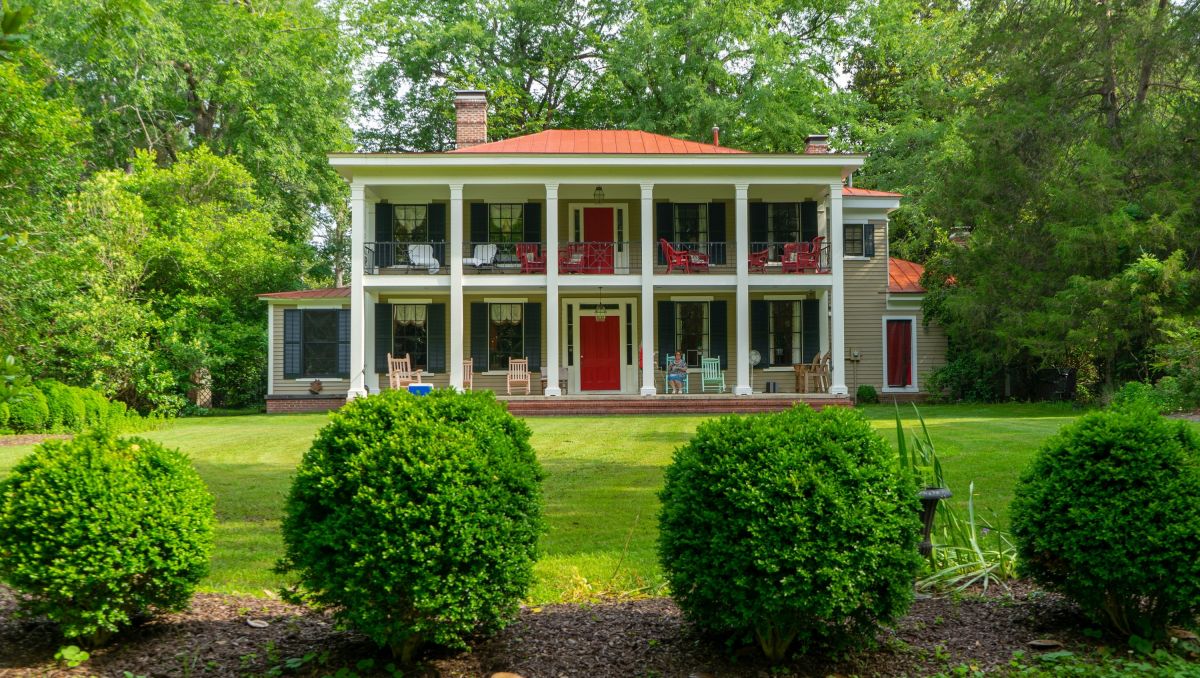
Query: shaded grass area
[603, 475]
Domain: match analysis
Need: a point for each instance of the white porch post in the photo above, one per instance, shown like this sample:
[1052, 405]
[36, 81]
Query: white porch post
[551, 253]
[742, 301]
[456, 286]
[823, 302]
[837, 320]
[649, 354]
[370, 376]
[358, 300]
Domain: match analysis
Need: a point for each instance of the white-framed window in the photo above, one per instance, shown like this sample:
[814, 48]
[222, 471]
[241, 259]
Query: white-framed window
[693, 329]
[690, 222]
[785, 321]
[410, 223]
[899, 353]
[858, 240]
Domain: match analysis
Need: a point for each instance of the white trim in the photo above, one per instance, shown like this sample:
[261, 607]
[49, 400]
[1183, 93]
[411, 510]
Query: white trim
[409, 302]
[320, 379]
[506, 300]
[912, 388]
[688, 297]
[787, 297]
[628, 370]
[270, 350]
[847, 163]
[855, 258]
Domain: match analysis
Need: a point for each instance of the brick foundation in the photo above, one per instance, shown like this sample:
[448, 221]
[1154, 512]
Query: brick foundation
[293, 404]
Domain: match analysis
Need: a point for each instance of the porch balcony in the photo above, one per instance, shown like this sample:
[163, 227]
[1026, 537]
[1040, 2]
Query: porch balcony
[591, 257]
[775, 257]
[398, 258]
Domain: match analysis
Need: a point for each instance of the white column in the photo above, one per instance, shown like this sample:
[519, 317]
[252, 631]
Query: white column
[358, 301]
[649, 350]
[837, 302]
[371, 377]
[456, 286]
[823, 303]
[552, 356]
[741, 230]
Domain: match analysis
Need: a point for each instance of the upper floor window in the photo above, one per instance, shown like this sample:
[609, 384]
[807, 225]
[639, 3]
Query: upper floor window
[410, 223]
[506, 223]
[691, 222]
[858, 240]
[783, 222]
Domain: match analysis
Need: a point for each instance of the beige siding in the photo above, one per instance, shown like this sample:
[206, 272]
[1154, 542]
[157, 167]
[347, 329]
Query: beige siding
[731, 356]
[866, 284]
[296, 387]
[497, 381]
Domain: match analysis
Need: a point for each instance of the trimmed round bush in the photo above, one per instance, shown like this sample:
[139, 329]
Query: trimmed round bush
[65, 407]
[866, 395]
[98, 531]
[28, 411]
[416, 519]
[95, 408]
[795, 529]
[1109, 515]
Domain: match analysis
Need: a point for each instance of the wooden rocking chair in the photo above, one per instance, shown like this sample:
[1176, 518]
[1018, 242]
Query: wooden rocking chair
[401, 373]
[518, 373]
[468, 373]
[711, 376]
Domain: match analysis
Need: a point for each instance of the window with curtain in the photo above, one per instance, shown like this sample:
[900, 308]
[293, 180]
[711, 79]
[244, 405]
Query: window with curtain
[410, 223]
[506, 334]
[506, 223]
[410, 333]
[899, 353]
[786, 333]
[783, 222]
[319, 343]
[692, 330]
[691, 222]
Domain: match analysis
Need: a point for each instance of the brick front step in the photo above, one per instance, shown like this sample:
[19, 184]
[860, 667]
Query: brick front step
[297, 404]
[617, 405]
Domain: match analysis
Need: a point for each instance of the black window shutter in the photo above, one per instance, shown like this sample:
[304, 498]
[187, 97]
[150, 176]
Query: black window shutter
[479, 336]
[437, 222]
[869, 240]
[435, 326]
[760, 328]
[479, 222]
[718, 329]
[384, 253]
[344, 343]
[664, 228]
[811, 312]
[716, 231]
[758, 223]
[291, 343]
[533, 222]
[532, 321]
[383, 336]
[666, 331]
[808, 219]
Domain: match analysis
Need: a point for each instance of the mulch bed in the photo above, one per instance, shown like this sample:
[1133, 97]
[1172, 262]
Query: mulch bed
[645, 637]
[30, 439]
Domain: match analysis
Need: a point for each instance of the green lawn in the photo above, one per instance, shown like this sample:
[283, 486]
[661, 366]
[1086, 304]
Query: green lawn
[603, 473]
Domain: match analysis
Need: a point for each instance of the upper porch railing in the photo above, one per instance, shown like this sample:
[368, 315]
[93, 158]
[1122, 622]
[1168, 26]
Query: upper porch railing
[790, 257]
[427, 258]
[601, 257]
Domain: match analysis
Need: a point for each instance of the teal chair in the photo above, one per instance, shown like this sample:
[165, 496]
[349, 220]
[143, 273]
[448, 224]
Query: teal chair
[667, 358]
[711, 376]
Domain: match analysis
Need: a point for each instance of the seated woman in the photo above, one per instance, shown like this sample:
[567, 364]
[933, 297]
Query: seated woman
[677, 373]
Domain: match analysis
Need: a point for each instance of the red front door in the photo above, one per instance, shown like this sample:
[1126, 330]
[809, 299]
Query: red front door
[598, 232]
[599, 354]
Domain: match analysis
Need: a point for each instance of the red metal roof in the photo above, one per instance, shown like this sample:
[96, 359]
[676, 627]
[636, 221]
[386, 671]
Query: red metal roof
[904, 277]
[868, 193]
[595, 141]
[322, 293]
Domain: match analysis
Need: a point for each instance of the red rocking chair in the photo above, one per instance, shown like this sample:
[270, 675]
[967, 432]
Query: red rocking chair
[531, 260]
[758, 260]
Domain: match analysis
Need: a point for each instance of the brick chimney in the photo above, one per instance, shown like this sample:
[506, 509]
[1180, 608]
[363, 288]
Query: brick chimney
[816, 144]
[470, 106]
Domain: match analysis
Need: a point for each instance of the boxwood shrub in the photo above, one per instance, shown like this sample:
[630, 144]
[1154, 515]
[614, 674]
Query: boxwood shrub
[3, 416]
[28, 411]
[98, 531]
[416, 519]
[795, 529]
[1109, 514]
[866, 395]
[64, 405]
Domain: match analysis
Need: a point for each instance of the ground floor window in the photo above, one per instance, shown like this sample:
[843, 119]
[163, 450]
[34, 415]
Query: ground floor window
[692, 330]
[410, 333]
[898, 341]
[786, 332]
[316, 343]
[506, 334]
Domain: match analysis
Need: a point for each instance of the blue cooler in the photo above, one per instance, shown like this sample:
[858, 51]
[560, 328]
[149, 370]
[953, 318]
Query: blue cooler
[420, 389]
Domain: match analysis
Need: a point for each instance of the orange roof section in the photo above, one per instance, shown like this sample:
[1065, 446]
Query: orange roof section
[321, 293]
[868, 193]
[904, 277]
[596, 141]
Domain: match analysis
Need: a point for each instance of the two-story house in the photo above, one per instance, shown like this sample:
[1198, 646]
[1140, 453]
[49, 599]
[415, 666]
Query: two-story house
[594, 254]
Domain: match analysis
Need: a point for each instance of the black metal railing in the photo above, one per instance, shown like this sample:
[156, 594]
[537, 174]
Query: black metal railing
[789, 257]
[504, 257]
[694, 257]
[599, 257]
[426, 258]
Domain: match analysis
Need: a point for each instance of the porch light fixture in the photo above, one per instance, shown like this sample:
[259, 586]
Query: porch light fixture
[601, 313]
[599, 194]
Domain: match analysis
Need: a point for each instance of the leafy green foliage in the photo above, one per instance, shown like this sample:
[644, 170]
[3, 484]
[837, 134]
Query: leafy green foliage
[97, 531]
[28, 411]
[1112, 474]
[1179, 357]
[4, 415]
[416, 519]
[1162, 397]
[792, 528]
[11, 21]
[866, 395]
[969, 377]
